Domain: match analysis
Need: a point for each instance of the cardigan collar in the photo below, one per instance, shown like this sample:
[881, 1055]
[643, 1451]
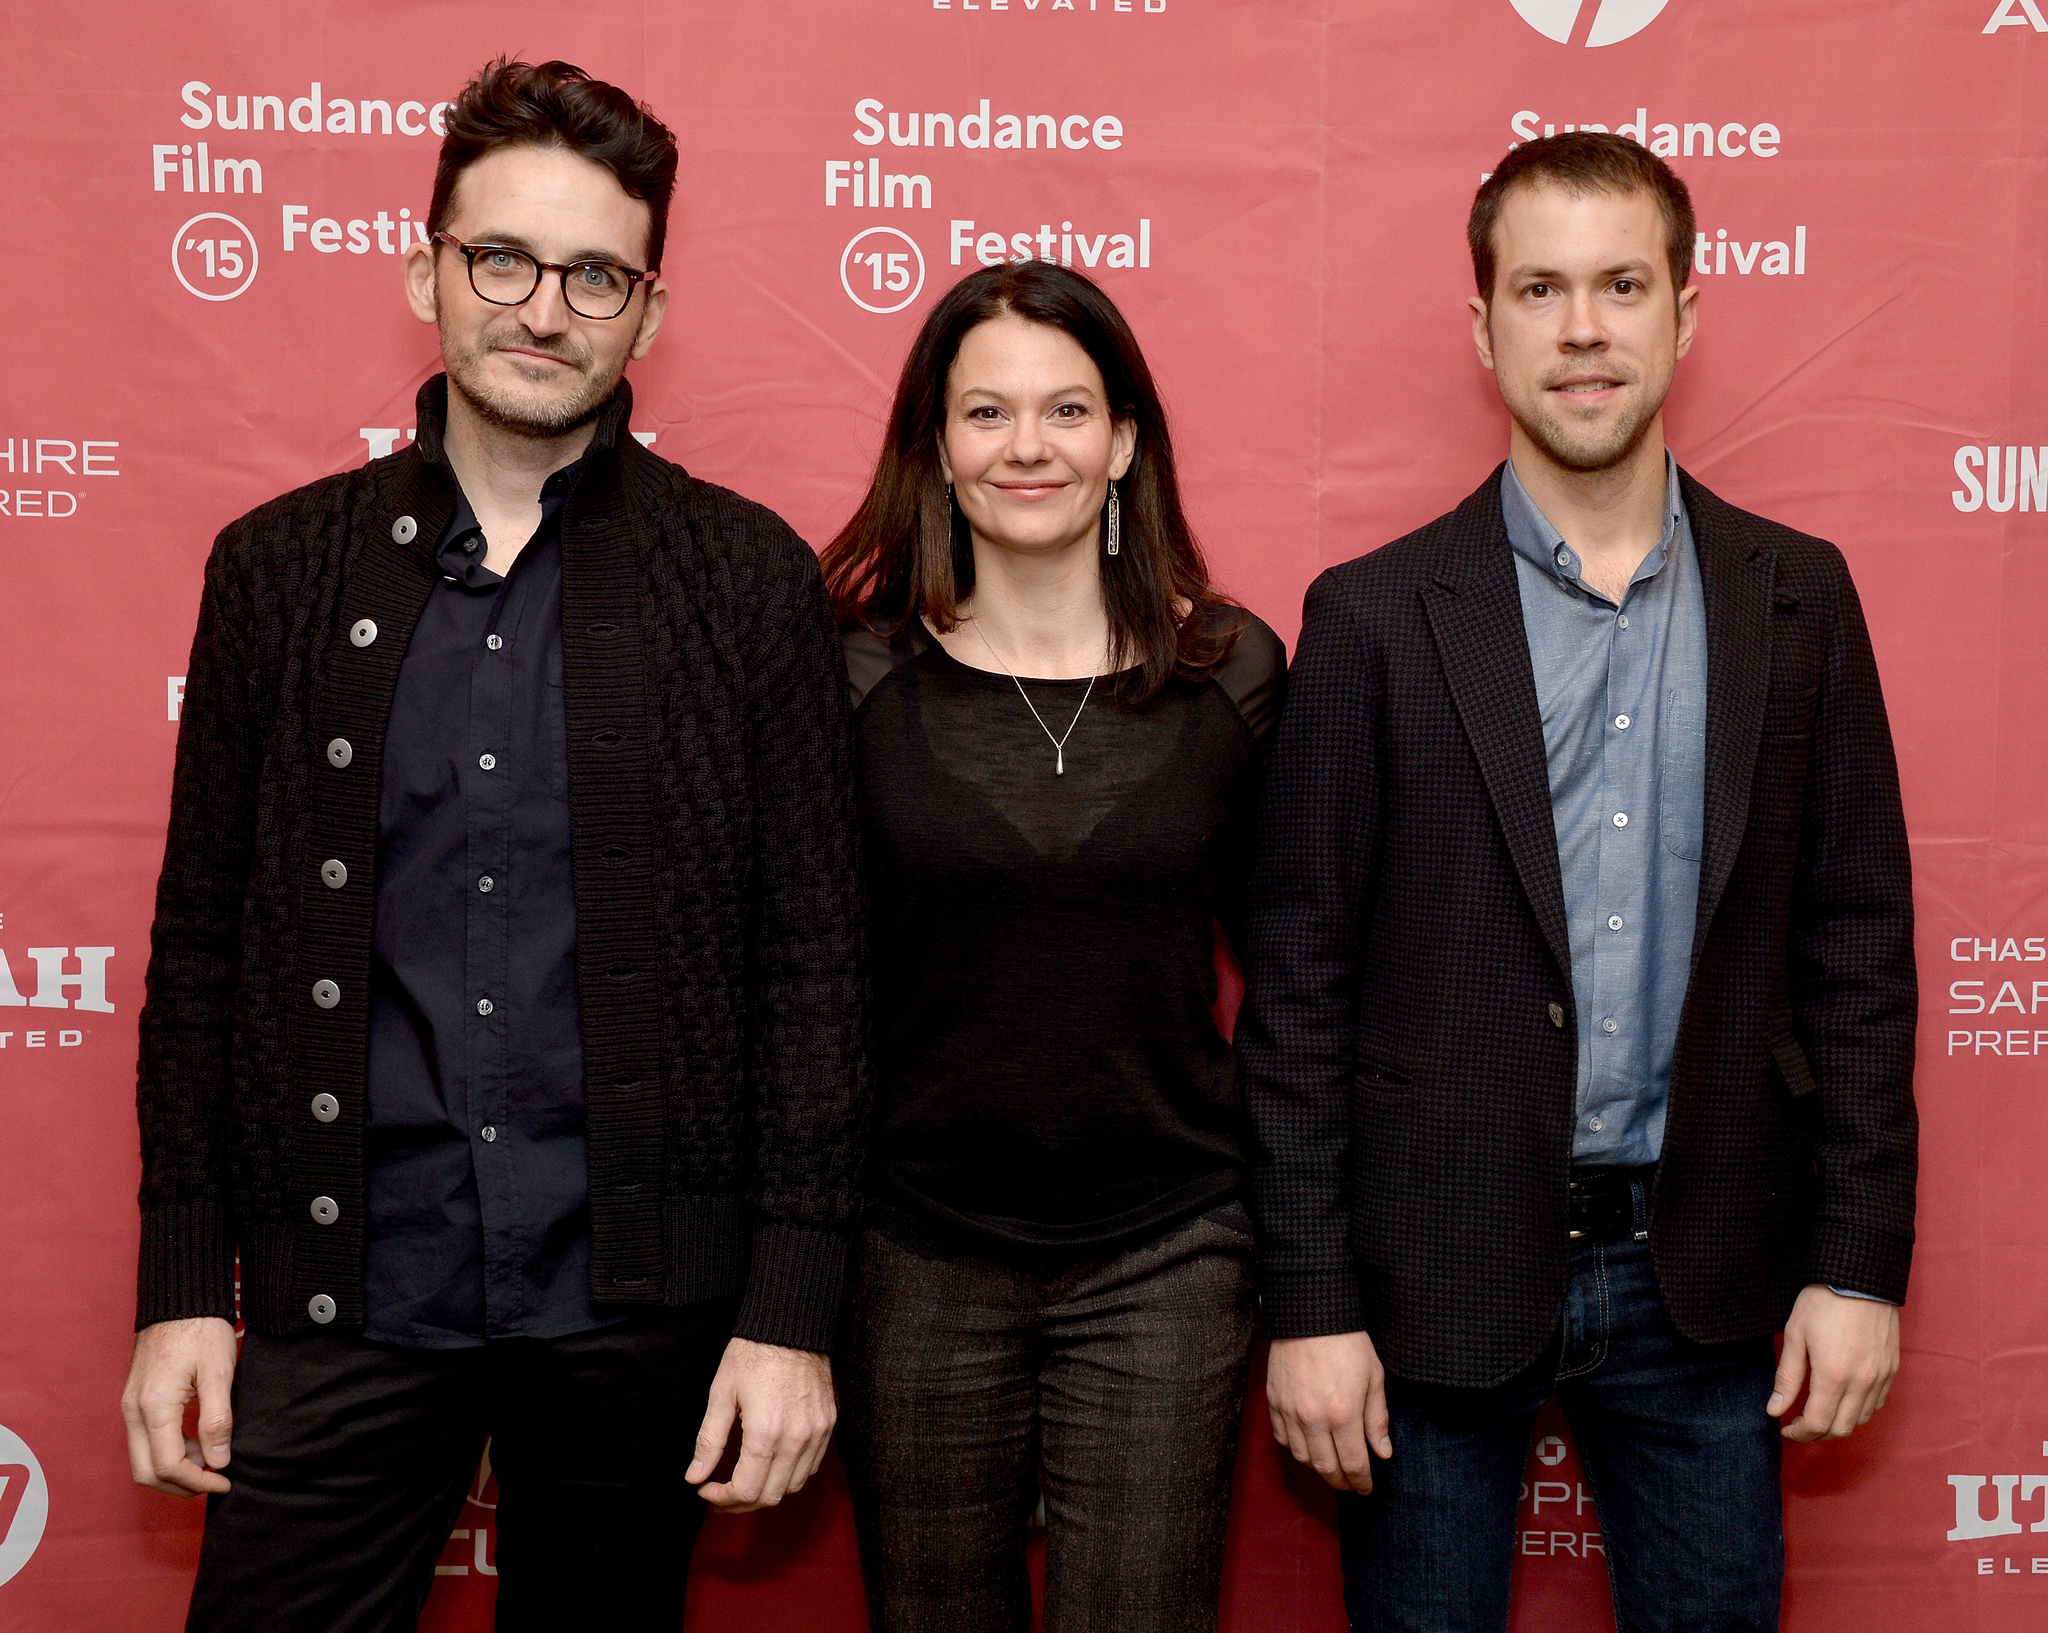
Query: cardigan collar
[425, 492]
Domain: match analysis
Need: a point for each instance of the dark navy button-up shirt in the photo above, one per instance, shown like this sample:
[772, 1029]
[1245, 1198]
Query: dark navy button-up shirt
[479, 1222]
[1623, 695]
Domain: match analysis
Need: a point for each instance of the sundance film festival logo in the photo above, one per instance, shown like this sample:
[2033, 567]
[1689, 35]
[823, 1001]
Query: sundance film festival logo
[1589, 22]
[882, 268]
[214, 256]
[2001, 479]
[24, 1504]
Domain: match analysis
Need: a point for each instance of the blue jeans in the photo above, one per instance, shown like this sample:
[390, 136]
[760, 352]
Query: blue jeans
[1681, 1460]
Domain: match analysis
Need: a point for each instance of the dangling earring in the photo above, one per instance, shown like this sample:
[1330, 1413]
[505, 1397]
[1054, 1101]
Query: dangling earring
[1116, 518]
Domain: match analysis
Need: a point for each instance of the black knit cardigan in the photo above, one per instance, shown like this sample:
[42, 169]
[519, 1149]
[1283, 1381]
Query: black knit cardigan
[715, 838]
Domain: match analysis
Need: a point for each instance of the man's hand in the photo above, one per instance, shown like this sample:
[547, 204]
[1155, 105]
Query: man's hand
[785, 1406]
[1328, 1399]
[174, 1361]
[1844, 1352]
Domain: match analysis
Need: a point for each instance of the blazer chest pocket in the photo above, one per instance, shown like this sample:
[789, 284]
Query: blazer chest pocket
[1790, 714]
[1378, 1077]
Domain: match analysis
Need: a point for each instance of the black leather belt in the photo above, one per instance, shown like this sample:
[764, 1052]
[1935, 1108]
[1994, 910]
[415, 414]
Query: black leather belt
[1601, 1202]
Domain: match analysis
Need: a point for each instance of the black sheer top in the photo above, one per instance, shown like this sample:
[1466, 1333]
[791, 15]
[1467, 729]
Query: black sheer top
[1049, 1070]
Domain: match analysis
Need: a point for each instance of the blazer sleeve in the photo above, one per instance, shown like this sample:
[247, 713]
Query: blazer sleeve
[1318, 833]
[806, 1050]
[1851, 977]
[184, 1088]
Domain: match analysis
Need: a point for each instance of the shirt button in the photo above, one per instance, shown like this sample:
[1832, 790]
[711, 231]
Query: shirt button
[488, 761]
[1610, 1025]
[487, 884]
[469, 546]
[1595, 1124]
[325, 1210]
[325, 1108]
[483, 1006]
[1621, 819]
[489, 1133]
[1557, 1014]
[494, 641]
[1621, 722]
[1622, 620]
[1614, 923]
[320, 1307]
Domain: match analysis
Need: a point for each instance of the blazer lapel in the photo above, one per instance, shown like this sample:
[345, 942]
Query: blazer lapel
[1474, 605]
[1736, 579]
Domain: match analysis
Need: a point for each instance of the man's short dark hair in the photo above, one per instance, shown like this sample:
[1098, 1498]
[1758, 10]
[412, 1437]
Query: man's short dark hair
[1580, 162]
[515, 104]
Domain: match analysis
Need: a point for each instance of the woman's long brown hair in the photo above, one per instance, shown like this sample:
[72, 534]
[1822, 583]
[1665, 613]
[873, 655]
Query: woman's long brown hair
[907, 550]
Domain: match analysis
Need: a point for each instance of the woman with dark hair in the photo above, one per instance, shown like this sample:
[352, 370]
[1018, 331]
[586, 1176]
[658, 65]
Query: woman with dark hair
[1061, 730]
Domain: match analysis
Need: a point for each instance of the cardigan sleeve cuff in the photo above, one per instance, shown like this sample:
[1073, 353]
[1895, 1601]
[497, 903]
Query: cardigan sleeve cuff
[795, 1279]
[186, 1267]
[1874, 1263]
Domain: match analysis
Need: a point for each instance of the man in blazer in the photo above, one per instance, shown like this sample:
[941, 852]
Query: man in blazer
[1580, 990]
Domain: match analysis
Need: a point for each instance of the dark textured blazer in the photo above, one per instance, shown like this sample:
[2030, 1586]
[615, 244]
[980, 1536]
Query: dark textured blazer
[714, 847]
[1408, 1039]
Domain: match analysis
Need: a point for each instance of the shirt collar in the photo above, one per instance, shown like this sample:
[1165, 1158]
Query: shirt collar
[1541, 545]
[460, 554]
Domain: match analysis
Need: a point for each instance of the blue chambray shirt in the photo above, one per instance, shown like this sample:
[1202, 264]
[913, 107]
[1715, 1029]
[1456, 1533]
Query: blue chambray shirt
[1623, 696]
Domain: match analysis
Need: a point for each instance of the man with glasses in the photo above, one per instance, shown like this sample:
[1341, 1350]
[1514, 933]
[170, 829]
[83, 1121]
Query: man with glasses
[504, 1012]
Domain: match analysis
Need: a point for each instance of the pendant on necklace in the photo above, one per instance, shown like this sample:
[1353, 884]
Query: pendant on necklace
[1059, 764]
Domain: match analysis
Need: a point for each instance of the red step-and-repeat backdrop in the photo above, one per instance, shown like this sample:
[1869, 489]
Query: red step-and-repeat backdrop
[207, 203]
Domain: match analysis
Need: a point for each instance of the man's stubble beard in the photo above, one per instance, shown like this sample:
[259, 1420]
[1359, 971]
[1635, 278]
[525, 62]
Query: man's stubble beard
[465, 371]
[1581, 452]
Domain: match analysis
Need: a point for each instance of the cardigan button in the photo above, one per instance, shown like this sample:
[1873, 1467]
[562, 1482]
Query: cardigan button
[1557, 1014]
[325, 1210]
[325, 1108]
[364, 632]
[334, 873]
[321, 1308]
[404, 530]
[339, 753]
[326, 994]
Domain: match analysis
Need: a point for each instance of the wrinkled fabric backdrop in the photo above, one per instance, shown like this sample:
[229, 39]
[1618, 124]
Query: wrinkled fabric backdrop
[207, 201]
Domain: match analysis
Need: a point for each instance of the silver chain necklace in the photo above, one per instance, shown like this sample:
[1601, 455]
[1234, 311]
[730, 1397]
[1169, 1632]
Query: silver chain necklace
[1059, 744]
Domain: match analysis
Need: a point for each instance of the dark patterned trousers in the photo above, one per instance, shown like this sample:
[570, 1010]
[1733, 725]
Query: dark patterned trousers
[1114, 1384]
